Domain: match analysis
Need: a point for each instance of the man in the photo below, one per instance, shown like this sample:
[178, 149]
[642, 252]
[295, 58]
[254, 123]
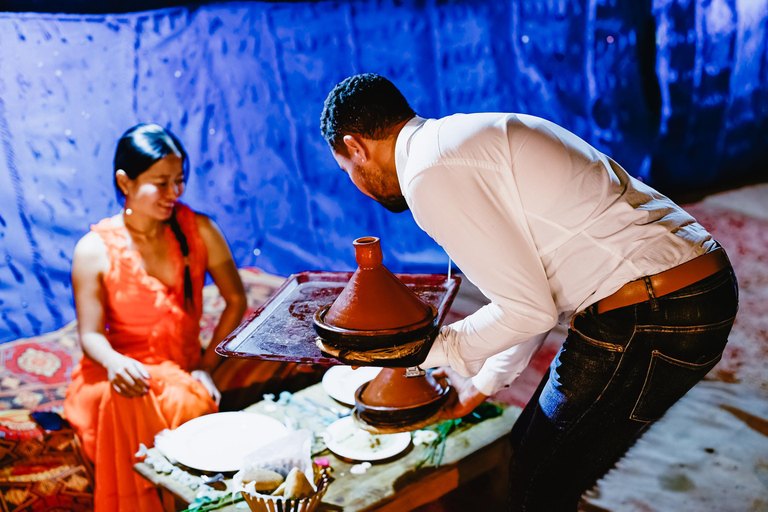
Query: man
[550, 230]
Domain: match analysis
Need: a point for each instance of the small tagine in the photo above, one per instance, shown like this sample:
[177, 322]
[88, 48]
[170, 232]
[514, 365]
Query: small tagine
[392, 402]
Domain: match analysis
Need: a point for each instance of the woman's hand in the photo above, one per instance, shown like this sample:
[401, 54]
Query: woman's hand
[463, 397]
[205, 379]
[127, 376]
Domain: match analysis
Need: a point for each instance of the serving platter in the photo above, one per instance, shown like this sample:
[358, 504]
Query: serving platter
[282, 329]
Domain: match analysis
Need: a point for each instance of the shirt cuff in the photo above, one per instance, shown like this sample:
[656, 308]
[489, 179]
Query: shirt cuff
[436, 356]
[503, 368]
[485, 382]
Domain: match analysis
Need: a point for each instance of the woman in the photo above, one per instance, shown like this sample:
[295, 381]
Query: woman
[137, 280]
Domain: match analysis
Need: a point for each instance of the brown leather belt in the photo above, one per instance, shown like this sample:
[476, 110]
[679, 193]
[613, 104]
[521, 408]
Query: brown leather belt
[666, 282]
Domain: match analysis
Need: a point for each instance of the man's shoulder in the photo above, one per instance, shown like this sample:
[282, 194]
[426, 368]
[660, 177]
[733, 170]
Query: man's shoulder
[481, 137]
[462, 128]
[474, 140]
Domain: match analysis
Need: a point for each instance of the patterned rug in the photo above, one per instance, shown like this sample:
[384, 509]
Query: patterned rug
[35, 371]
[41, 471]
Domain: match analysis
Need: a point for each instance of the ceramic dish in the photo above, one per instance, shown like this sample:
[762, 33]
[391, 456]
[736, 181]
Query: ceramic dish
[383, 338]
[341, 382]
[218, 442]
[346, 440]
[400, 417]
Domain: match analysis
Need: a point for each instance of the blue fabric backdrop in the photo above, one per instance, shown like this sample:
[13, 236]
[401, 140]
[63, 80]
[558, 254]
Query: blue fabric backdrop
[674, 90]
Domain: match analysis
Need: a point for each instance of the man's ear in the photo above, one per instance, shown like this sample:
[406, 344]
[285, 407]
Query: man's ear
[357, 148]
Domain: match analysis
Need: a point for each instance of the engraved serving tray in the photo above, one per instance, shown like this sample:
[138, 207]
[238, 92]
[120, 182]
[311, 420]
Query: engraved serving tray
[282, 329]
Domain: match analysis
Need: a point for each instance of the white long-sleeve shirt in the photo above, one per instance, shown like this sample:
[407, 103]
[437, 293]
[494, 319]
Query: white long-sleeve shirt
[540, 221]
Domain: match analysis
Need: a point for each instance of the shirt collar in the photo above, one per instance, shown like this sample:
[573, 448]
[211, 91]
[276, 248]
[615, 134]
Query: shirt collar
[403, 145]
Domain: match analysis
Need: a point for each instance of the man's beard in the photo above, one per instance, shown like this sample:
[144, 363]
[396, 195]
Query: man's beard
[395, 204]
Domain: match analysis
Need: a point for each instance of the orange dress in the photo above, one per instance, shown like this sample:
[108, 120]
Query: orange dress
[145, 320]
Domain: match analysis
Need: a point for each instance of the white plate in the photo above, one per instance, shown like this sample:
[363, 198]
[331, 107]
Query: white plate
[345, 439]
[218, 442]
[341, 382]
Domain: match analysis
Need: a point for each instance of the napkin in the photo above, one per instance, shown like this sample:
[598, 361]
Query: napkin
[291, 451]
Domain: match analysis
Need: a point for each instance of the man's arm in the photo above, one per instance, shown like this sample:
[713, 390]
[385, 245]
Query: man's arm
[501, 370]
[472, 213]
[498, 371]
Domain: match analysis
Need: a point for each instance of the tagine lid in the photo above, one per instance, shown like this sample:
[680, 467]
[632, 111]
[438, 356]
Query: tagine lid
[375, 299]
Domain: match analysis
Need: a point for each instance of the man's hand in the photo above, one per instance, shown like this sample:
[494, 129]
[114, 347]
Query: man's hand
[205, 379]
[463, 397]
[127, 376]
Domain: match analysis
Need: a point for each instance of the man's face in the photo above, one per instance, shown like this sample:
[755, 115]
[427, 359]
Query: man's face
[369, 179]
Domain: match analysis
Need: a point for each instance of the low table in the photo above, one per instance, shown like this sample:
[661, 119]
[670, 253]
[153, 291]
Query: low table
[390, 486]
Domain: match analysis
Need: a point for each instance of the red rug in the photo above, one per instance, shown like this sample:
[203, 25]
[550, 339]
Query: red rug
[745, 238]
[41, 471]
[35, 372]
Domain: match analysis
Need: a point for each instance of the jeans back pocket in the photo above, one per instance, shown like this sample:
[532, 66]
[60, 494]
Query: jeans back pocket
[667, 380]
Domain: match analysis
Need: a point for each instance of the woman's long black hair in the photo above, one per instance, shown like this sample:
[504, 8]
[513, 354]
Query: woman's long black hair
[138, 149]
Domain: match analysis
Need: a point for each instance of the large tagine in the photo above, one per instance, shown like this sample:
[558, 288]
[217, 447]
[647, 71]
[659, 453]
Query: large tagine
[376, 311]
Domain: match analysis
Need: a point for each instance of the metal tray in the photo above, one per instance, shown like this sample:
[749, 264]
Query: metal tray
[282, 329]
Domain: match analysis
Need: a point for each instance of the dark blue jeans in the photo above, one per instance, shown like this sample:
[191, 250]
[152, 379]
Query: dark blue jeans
[616, 373]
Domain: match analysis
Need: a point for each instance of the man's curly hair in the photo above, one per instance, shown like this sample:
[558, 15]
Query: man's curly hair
[366, 104]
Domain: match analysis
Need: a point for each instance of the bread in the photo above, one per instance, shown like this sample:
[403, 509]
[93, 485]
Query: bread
[265, 480]
[297, 486]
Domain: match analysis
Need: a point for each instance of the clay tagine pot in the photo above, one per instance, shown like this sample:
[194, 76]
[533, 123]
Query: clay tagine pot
[375, 309]
[392, 401]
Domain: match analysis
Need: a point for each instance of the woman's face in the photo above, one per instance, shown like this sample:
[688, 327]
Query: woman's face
[155, 191]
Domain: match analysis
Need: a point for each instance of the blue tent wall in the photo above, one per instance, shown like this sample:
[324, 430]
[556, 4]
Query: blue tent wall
[675, 91]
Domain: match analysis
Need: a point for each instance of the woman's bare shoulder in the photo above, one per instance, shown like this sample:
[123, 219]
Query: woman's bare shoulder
[208, 229]
[218, 249]
[91, 251]
[203, 221]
